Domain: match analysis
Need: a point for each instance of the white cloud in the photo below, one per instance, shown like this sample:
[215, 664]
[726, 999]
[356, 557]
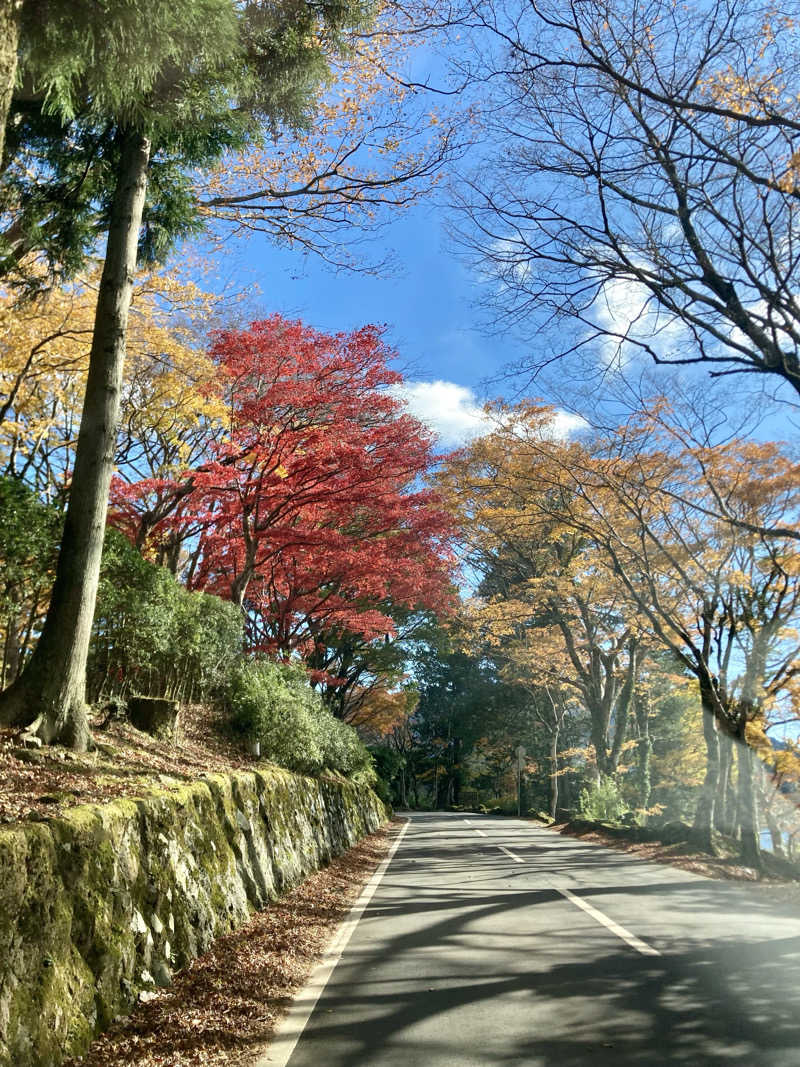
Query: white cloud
[627, 309]
[452, 411]
[565, 424]
[454, 414]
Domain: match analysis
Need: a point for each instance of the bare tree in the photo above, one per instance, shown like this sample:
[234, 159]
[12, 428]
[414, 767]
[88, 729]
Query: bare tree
[646, 182]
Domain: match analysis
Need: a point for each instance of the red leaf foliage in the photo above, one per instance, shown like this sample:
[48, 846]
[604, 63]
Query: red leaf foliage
[310, 512]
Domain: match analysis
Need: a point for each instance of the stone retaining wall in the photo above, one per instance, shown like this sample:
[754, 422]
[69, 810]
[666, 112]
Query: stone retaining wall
[107, 901]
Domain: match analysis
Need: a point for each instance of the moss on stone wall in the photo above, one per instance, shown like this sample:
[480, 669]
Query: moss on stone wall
[108, 900]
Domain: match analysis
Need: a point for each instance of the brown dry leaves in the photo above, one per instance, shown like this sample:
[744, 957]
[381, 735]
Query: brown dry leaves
[223, 1007]
[682, 856]
[46, 782]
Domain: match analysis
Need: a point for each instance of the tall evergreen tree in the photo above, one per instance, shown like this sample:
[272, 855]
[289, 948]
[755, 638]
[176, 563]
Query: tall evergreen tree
[231, 73]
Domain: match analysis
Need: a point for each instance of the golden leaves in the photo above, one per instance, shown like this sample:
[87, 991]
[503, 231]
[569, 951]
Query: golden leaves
[45, 347]
[643, 535]
[371, 132]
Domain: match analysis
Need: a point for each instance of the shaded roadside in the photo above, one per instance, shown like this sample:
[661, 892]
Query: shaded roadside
[223, 1007]
[777, 872]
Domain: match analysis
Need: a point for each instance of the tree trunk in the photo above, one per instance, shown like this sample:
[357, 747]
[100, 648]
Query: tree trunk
[10, 12]
[775, 833]
[622, 708]
[749, 847]
[50, 695]
[553, 773]
[644, 750]
[11, 652]
[725, 804]
[702, 831]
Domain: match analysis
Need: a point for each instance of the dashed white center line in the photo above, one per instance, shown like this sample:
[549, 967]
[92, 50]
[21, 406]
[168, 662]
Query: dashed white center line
[625, 935]
[508, 852]
[614, 927]
[475, 828]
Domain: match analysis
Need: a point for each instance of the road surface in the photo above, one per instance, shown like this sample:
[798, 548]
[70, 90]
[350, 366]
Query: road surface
[493, 941]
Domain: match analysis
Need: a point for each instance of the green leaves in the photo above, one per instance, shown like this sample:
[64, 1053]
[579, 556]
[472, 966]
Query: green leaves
[273, 703]
[198, 78]
[152, 636]
[119, 58]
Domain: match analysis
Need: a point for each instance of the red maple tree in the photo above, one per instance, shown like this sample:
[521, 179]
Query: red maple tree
[310, 512]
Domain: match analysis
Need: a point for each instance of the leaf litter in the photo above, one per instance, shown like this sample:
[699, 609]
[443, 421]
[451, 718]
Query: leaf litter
[224, 1006]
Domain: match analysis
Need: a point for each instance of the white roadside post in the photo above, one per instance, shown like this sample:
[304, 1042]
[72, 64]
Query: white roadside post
[520, 765]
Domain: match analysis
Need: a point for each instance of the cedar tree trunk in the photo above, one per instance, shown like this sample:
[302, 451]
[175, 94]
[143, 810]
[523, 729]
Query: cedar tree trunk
[50, 695]
[10, 12]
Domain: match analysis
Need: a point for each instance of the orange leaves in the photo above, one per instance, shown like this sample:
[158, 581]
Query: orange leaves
[652, 536]
[382, 711]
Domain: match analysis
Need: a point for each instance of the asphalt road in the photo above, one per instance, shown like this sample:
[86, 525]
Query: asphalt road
[494, 941]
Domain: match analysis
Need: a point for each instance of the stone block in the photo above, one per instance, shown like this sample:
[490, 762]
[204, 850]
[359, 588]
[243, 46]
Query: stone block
[156, 716]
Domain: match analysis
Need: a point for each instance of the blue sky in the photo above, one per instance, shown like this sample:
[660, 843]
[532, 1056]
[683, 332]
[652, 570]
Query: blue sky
[426, 303]
[429, 306]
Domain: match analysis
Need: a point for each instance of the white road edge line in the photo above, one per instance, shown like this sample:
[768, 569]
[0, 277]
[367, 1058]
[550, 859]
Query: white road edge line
[291, 1027]
[508, 852]
[614, 927]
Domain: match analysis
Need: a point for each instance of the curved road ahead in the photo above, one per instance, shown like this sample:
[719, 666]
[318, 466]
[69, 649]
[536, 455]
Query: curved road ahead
[493, 941]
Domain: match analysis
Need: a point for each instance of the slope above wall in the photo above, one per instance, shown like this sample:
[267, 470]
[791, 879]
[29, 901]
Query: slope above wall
[104, 903]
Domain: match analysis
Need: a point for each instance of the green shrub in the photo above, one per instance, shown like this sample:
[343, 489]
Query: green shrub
[342, 749]
[269, 704]
[382, 789]
[506, 804]
[389, 767]
[152, 636]
[274, 704]
[601, 801]
[29, 536]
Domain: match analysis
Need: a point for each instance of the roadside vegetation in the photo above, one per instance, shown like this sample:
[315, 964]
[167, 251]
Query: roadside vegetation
[212, 504]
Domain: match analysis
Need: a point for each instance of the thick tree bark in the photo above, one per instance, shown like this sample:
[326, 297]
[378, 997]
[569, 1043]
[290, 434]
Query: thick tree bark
[11, 650]
[10, 12]
[623, 707]
[644, 751]
[776, 836]
[50, 695]
[702, 831]
[725, 804]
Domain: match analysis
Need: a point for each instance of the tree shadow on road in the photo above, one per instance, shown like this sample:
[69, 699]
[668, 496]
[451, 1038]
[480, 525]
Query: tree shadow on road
[722, 999]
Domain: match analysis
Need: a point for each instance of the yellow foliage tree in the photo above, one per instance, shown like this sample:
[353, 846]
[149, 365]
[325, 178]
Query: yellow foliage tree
[558, 615]
[167, 393]
[683, 543]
